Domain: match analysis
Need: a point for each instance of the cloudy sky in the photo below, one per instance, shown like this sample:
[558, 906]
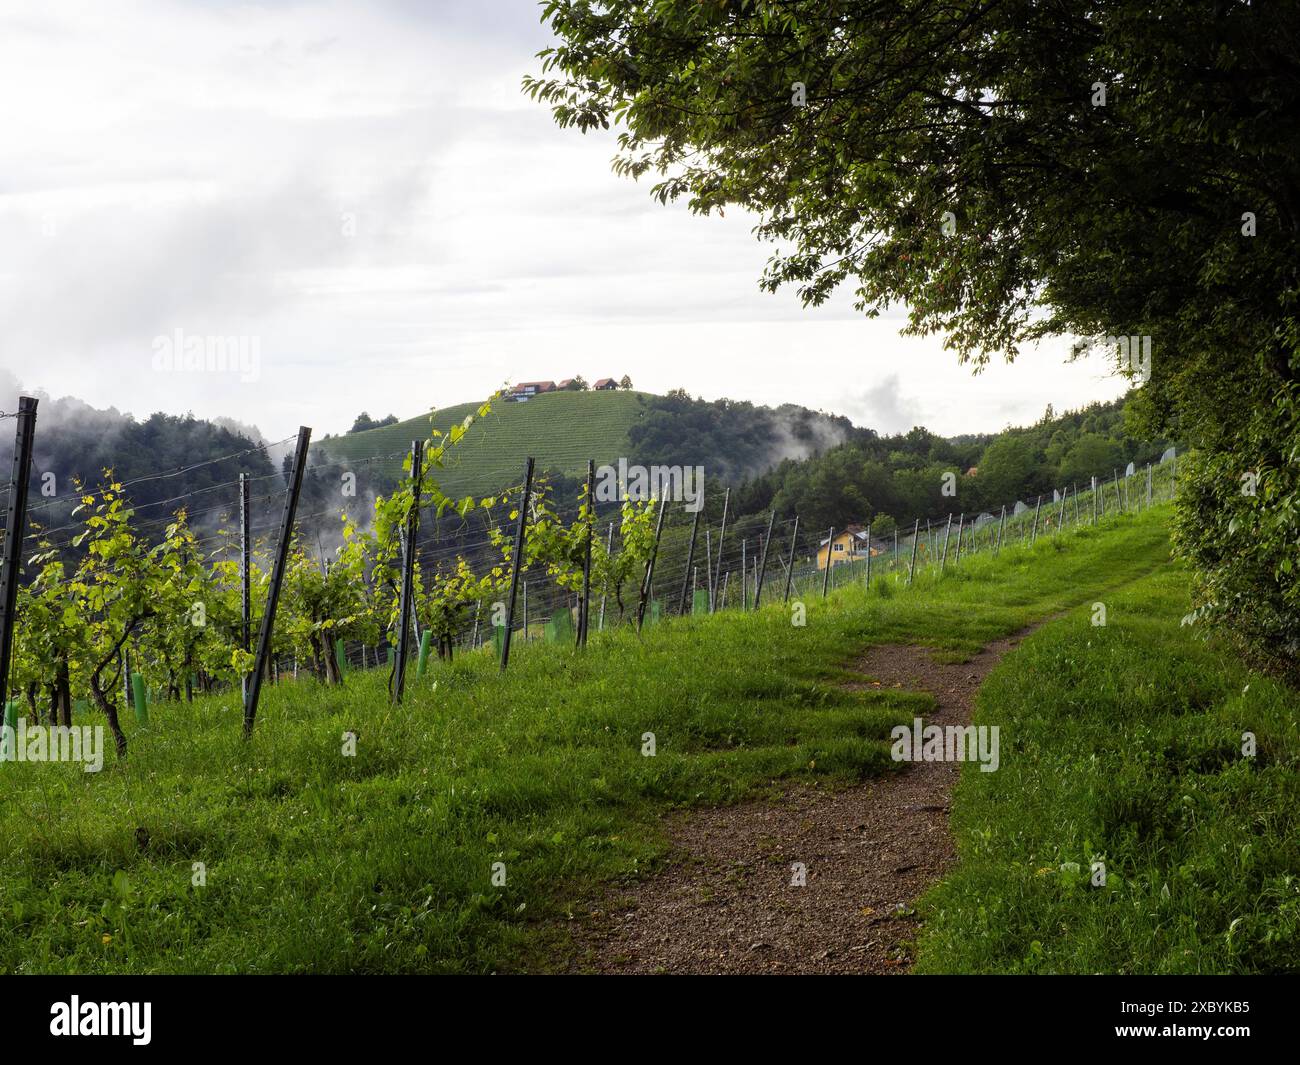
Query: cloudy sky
[362, 191]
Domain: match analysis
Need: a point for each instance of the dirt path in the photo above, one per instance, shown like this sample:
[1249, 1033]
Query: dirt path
[726, 903]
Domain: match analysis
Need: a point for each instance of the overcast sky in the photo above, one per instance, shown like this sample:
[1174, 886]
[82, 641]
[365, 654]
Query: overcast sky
[362, 190]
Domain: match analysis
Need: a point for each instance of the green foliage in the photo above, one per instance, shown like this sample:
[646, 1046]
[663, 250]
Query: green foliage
[180, 616]
[899, 478]
[382, 862]
[124, 593]
[1090, 455]
[76, 442]
[1006, 172]
[1123, 744]
[322, 602]
[1009, 466]
[1243, 545]
[364, 423]
[731, 439]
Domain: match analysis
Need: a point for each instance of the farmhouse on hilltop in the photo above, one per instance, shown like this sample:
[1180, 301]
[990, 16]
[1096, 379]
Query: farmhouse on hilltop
[527, 389]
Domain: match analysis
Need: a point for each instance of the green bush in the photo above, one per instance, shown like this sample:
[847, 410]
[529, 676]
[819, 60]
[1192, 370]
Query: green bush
[1237, 519]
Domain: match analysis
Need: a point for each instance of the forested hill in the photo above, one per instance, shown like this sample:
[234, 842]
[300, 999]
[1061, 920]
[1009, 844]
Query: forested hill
[165, 458]
[795, 460]
[733, 440]
[872, 477]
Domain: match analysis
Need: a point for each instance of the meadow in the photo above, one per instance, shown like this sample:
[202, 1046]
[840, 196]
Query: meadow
[391, 859]
[1125, 746]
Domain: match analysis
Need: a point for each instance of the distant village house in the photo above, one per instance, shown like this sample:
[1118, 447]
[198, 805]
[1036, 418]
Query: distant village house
[850, 545]
[525, 390]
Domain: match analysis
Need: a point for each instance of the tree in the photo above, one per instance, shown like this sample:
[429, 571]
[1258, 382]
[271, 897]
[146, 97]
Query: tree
[625, 383]
[1090, 455]
[1008, 469]
[1120, 169]
[364, 422]
[577, 384]
[882, 526]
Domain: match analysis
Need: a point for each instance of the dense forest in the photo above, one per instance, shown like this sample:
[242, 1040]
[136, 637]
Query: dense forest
[165, 459]
[853, 474]
[732, 439]
[76, 443]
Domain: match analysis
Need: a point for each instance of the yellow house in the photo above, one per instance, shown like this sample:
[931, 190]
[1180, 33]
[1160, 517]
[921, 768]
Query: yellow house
[849, 546]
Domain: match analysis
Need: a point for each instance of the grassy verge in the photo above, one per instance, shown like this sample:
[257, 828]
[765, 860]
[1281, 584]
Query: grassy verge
[1123, 744]
[383, 862]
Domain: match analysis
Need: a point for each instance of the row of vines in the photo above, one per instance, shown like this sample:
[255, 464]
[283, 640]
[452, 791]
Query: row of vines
[170, 604]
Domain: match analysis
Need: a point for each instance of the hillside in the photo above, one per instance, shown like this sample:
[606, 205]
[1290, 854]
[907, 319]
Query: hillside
[167, 461]
[562, 430]
[787, 458]
[882, 478]
[389, 851]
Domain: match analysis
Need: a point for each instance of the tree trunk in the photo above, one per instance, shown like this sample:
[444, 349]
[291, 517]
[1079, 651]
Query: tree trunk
[332, 669]
[101, 696]
[110, 712]
[327, 667]
[317, 666]
[65, 694]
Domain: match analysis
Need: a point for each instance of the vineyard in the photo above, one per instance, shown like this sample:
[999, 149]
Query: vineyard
[121, 609]
[204, 852]
[119, 605]
[451, 750]
[562, 430]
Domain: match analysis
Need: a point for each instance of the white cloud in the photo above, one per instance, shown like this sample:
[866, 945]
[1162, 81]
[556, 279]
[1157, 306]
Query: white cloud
[198, 166]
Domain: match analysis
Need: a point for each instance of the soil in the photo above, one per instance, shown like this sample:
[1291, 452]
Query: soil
[725, 902]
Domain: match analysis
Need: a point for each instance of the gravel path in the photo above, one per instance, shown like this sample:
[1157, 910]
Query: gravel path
[726, 902]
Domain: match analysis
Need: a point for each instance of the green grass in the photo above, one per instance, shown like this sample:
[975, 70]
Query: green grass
[1123, 745]
[383, 862]
[562, 430]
